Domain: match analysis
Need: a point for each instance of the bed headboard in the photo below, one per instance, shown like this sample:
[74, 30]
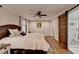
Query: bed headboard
[4, 29]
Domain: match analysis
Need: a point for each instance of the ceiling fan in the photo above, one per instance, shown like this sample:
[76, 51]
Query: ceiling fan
[39, 13]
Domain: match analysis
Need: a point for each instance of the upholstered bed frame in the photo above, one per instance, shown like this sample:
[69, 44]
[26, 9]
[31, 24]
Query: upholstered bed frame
[5, 33]
[4, 29]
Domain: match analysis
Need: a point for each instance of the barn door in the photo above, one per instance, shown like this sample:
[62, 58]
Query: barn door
[63, 30]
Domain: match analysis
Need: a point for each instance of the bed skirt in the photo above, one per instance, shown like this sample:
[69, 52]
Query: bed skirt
[27, 51]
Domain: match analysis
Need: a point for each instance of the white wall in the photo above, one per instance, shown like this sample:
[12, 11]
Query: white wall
[45, 27]
[7, 17]
[55, 29]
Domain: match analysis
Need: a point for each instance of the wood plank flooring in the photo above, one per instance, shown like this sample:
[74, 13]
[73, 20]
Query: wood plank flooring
[57, 49]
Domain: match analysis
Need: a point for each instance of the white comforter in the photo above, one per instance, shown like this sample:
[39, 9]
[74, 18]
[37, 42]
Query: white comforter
[30, 41]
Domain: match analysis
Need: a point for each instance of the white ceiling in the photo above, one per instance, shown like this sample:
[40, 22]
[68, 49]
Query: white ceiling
[28, 10]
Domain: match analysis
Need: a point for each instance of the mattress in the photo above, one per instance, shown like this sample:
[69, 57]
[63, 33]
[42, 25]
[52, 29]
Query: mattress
[30, 41]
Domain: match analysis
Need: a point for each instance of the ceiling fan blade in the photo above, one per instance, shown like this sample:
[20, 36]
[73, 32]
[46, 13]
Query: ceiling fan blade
[43, 14]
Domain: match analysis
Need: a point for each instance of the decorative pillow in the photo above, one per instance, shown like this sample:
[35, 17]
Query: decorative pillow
[14, 32]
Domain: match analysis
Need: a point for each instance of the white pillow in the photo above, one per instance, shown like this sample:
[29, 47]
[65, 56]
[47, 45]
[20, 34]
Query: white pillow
[14, 32]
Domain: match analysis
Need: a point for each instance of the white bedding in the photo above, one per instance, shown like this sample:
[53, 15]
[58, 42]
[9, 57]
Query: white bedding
[30, 41]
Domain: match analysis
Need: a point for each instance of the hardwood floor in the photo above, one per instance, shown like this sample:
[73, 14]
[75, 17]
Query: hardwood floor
[57, 49]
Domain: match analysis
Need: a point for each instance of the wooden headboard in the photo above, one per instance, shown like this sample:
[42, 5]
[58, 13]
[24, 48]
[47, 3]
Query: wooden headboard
[4, 29]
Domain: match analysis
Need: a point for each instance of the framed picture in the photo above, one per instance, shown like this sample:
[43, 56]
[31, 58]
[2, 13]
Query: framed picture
[38, 25]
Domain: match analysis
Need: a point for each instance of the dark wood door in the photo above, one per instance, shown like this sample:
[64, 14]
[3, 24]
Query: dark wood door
[63, 30]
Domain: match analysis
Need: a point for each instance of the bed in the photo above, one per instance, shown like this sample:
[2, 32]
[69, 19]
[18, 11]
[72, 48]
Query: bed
[31, 42]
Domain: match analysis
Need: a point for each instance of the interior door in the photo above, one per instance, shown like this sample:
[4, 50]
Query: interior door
[63, 30]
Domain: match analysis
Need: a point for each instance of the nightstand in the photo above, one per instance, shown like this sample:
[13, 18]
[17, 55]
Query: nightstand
[5, 49]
